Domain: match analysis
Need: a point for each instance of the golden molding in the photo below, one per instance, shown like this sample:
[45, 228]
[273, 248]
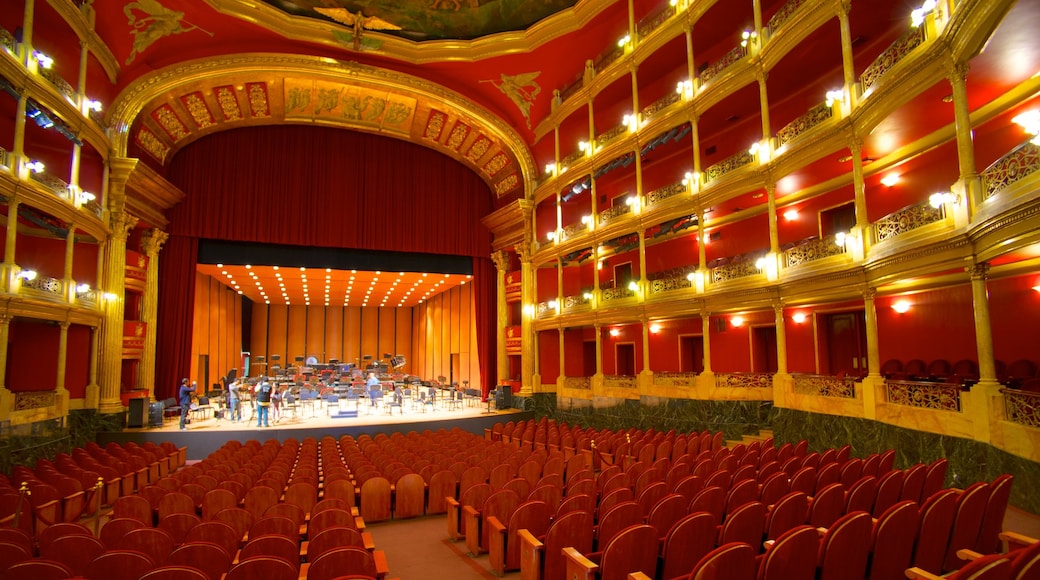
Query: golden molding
[314, 30]
[165, 88]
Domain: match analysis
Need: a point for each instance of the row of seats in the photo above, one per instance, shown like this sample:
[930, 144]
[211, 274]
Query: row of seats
[1021, 373]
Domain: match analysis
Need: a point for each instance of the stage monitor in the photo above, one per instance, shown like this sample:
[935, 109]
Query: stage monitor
[298, 359]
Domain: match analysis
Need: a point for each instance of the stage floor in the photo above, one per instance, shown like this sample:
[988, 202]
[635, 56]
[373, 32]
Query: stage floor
[205, 435]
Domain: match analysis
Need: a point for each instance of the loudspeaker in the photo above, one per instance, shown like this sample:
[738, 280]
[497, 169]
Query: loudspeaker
[504, 397]
[135, 417]
[155, 414]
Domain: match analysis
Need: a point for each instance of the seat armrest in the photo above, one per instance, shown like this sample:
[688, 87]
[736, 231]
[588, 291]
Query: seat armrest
[919, 574]
[968, 555]
[370, 544]
[1017, 540]
[496, 526]
[578, 566]
[382, 568]
[528, 539]
[470, 511]
[451, 502]
[638, 576]
[360, 523]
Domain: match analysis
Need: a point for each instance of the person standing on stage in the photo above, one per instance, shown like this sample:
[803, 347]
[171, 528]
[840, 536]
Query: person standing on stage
[276, 404]
[372, 385]
[184, 397]
[263, 401]
[234, 405]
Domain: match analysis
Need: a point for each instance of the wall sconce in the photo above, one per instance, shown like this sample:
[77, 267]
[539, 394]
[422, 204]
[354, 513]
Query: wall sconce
[901, 306]
[528, 309]
[550, 169]
[1030, 121]
[760, 149]
[27, 275]
[917, 16]
[698, 280]
[109, 296]
[551, 236]
[587, 296]
[737, 321]
[630, 121]
[43, 60]
[93, 105]
[685, 89]
[655, 328]
[624, 41]
[840, 238]
[586, 219]
[791, 215]
[554, 305]
[614, 332]
[583, 146]
[82, 288]
[937, 200]
[692, 180]
[633, 202]
[835, 96]
[633, 286]
[890, 180]
[748, 37]
[798, 317]
[768, 265]
[35, 166]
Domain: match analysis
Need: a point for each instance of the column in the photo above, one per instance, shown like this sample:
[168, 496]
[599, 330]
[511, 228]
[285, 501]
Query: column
[706, 339]
[873, 385]
[645, 378]
[763, 102]
[6, 396]
[151, 243]
[599, 351]
[848, 65]
[644, 285]
[529, 343]
[112, 312]
[562, 378]
[61, 393]
[11, 239]
[92, 397]
[969, 181]
[501, 260]
[70, 244]
[774, 234]
[781, 340]
[983, 330]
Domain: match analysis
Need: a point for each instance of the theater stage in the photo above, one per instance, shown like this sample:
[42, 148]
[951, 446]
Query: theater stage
[205, 435]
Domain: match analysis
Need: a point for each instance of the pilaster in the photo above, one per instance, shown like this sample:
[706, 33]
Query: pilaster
[151, 243]
[501, 260]
[112, 318]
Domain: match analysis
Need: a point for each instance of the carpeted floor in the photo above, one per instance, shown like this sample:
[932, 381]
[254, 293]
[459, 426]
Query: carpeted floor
[419, 549]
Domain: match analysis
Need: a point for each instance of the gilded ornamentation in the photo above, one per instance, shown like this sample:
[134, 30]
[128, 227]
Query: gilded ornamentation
[938, 396]
[478, 149]
[34, 400]
[729, 59]
[777, 20]
[522, 89]
[358, 22]
[59, 83]
[609, 294]
[727, 165]
[574, 156]
[734, 271]
[435, 125]
[457, 136]
[258, 104]
[46, 285]
[495, 164]
[577, 383]
[297, 99]
[910, 40]
[662, 193]
[825, 386]
[156, 22]
[510, 182]
[152, 241]
[196, 106]
[688, 380]
[574, 302]
[607, 58]
[1022, 407]
[743, 380]
[574, 230]
[669, 284]
[661, 104]
[170, 122]
[611, 134]
[907, 219]
[53, 184]
[816, 116]
[652, 22]
[150, 143]
[307, 100]
[811, 251]
[979, 271]
[501, 260]
[7, 41]
[612, 213]
[1018, 163]
[229, 103]
[620, 382]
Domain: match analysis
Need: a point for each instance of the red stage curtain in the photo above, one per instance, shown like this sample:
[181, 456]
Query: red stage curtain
[485, 303]
[315, 186]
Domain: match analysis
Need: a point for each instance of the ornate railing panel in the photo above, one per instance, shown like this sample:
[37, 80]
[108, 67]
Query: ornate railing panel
[660, 104]
[609, 294]
[573, 230]
[816, 116]
[741, 269]
[812, 251]
[612, 213]
[938, 396]
[1016, 164]
[825, 386]
[727, 165]
[545, 310]
[59, 83]
[776, 22]
[88, 298]
[907, 219]
[5, 157]
[53, 287]
[732, 57]
[611, 134]
[34, 400]
[575, 302]
[570, 159]
[577, 383]
[1022, 407]
[53, 184]
[98, 117]
[669, 284]
[676, 379]
[903, 46]
[743, 380]
[607, 58]
[7, 41]
[94, 208]
[620, 382]
[569, 90]
[662, 193]
[650, 23]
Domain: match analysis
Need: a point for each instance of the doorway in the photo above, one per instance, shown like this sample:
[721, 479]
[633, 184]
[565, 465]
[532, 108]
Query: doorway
[763, 349]
[625, 361]
[845, 343]
[691, 353]
[588, 358]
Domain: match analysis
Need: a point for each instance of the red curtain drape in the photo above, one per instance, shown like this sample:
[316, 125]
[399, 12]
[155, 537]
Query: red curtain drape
[485, 282]
[175, 315]
[315, 186]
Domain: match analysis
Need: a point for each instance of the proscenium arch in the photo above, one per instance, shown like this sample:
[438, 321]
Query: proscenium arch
[168, 83]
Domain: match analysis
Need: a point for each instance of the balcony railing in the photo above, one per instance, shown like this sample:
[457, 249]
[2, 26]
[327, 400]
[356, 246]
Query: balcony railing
[811, 251]
[53, 184]
[734, 271]
[570, 159]
[52, 288]
[816, 116]
[744, 380]
[569, 90]
[545, 310]
[5, 158]
[729, 59]
[675, 379]
[620, 381]
[7, 41]
[776, 22]
[652, 22]
[1019, 162]
[611, 134]
[574, 230]
[907, 219]
[25, 401]
[1022, 407]
[660, 194]
[607, 58]
[937, 396]
[727, 165]
[88, 298]
[612, 213]
[59, 83]
[660, 104]
[896, 52]
[576, 302]
[669, 284]
[825, 386]
[577, 383]
[609, 294]
[94, 208]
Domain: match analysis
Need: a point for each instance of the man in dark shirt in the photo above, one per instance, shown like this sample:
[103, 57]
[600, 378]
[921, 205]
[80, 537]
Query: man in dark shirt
[184, 398]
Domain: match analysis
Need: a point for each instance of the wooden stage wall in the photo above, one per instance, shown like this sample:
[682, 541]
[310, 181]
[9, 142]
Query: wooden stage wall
[217, 337]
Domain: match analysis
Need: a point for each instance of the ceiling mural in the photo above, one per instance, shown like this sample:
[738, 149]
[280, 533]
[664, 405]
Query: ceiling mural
[426, 19]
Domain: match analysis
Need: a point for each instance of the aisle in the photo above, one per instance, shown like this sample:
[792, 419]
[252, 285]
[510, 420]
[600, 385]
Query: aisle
[419, 549]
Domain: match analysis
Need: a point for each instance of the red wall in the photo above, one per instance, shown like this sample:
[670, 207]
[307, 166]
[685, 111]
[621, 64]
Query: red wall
[664, 344]
[32, 352]
[939, 325]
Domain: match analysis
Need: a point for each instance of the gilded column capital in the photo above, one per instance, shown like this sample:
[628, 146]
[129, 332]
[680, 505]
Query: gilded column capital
[524, 251]
[869, 293]
[501, 260]
[152, 241]
[844, 7]
[632, 66]
[979, 271]
[121, 224]
[956, 72]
